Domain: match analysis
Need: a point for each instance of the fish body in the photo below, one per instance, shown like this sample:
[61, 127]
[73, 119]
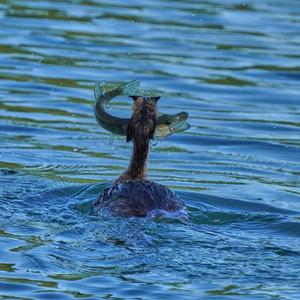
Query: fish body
[167, 124]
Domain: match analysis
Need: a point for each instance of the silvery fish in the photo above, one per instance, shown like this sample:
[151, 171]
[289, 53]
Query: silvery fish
[167, 124]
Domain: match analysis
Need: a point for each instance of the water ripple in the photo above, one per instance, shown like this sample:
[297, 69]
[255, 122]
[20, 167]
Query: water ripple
[233, 66]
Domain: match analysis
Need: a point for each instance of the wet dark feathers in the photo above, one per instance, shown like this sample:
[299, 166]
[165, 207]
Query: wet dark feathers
[136, 198]
[142, 124]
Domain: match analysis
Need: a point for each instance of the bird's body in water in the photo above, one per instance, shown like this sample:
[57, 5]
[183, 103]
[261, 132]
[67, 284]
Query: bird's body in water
[131, 193]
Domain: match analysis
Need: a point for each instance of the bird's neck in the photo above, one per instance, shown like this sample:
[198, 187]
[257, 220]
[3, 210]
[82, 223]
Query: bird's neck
[137, 168]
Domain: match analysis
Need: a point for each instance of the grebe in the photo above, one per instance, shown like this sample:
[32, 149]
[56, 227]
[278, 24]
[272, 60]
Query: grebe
[166, 124]
[131, 194]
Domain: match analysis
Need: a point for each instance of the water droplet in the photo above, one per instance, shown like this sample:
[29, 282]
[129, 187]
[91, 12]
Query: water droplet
[75, 150]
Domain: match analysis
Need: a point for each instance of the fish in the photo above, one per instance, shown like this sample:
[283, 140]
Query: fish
[167, 124]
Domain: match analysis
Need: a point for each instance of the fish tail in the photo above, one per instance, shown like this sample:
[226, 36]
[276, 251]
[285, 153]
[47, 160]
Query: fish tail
[129, 88]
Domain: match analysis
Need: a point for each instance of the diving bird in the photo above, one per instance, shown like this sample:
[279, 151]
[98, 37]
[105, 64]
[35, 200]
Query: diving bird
[132, 194]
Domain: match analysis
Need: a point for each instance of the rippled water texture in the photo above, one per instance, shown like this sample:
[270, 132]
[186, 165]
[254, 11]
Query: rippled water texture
[234, 66]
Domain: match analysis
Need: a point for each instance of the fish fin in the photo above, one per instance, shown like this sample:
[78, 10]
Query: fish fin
[127, 89]
[98, 92]
[130, 88]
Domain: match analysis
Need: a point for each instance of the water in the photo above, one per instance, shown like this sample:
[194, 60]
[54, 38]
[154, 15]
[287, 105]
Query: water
[234, 66]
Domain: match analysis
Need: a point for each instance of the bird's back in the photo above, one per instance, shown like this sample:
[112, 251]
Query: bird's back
[137, 198]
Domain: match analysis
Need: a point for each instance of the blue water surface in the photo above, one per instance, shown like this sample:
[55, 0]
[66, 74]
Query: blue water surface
[234, 66]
